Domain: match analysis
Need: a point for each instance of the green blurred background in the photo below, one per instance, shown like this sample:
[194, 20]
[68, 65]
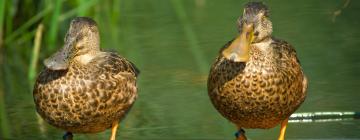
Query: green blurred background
[173, 43]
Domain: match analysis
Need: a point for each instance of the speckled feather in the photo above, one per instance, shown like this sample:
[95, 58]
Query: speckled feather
[87, 98]
[261, 92]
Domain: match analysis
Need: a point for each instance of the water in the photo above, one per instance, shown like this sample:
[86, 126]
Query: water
[174, 43]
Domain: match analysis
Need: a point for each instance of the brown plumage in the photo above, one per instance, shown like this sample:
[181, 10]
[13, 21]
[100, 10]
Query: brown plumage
[82, 89]
[263, 86]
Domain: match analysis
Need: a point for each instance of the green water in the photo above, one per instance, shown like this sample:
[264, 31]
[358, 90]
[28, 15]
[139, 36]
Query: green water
[174, 42]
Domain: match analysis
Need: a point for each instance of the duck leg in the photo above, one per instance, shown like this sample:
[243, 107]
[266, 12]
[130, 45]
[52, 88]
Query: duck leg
[240, 134]
[115, 125]
[68, 136]
[283, 129]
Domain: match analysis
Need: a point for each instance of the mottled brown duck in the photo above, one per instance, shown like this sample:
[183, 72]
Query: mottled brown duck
[256, 80]
[83, 89]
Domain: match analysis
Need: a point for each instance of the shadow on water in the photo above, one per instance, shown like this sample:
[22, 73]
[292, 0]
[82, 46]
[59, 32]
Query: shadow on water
[173, 43]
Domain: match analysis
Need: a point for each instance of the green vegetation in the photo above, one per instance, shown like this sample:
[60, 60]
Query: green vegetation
[35, 53]
[29, 32]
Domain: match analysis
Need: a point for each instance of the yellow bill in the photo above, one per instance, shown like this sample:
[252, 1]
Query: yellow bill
[239, 49]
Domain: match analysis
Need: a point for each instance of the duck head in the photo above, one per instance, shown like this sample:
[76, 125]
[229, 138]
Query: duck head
[254, 27]
[82, 39]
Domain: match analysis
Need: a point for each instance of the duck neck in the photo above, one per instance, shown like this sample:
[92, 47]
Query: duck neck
[86, 57]
[260, 50]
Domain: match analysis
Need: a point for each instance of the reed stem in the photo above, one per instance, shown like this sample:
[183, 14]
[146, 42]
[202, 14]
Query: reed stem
[5, 131]
[54, 24]
[191, 36]
[35, 53]
[2, 14]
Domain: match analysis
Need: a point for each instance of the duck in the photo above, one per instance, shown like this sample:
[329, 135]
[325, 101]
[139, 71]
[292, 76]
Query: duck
[256, 81]
[83, 89]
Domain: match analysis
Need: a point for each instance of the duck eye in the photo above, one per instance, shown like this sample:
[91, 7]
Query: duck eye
[79, 47]
[256, 33]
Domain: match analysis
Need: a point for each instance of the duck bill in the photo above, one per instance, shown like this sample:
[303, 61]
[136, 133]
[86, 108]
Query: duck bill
[59, 60]
[239, 49]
